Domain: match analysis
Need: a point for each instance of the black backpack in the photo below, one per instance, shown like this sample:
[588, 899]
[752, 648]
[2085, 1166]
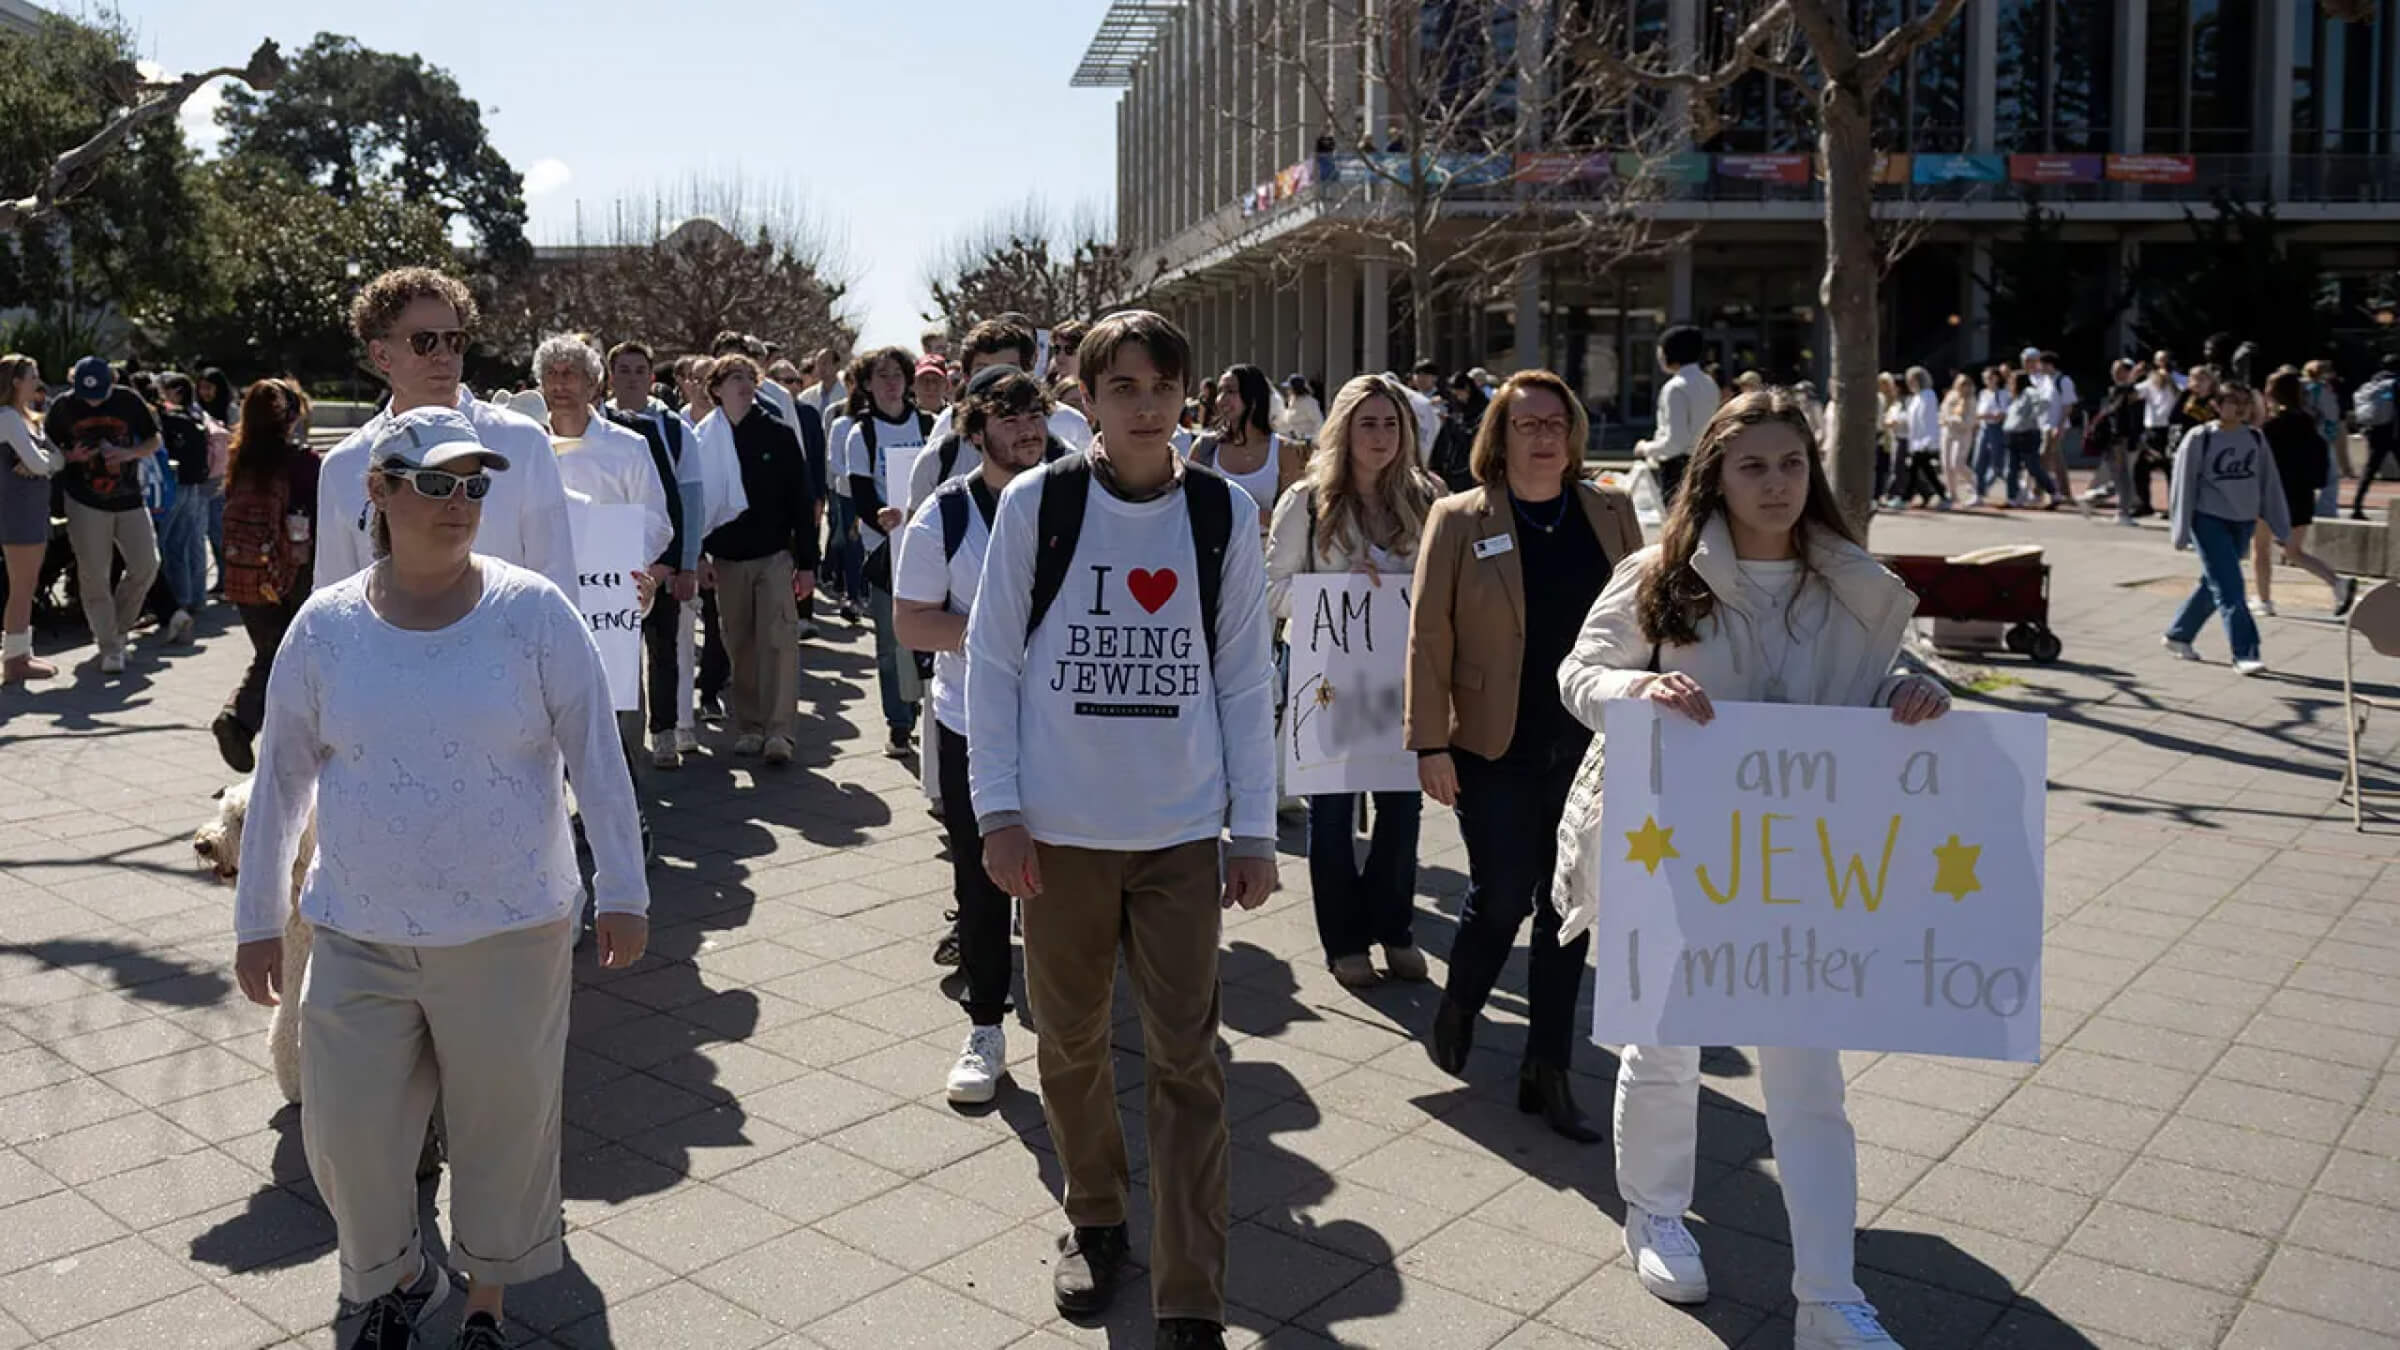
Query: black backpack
[955, 495]
[866, 430]
[1207, 496]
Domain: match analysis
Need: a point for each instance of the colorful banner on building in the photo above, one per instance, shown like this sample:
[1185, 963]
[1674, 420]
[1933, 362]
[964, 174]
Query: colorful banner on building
[1891, 168]
[1823, 877]
[1553, 167]
[2055, 168]
[1684, 168]
[1933, 170]
[1785, 168]
[2151, 169]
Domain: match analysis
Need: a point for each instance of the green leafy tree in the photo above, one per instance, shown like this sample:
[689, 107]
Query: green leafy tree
[354, 121]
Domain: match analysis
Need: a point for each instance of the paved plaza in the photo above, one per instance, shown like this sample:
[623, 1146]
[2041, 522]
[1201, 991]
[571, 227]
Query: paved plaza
[758, 1153]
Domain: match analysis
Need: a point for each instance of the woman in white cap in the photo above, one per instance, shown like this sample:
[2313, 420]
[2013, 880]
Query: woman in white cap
[431, 706]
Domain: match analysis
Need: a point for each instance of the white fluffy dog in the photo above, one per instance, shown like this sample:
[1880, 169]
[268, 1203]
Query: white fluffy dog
[219, 844]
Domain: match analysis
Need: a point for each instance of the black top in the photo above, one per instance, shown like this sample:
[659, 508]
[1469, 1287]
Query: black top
[2299, 452]
[186, 439]
[82, 430]
[783, 511]
[1565, 570]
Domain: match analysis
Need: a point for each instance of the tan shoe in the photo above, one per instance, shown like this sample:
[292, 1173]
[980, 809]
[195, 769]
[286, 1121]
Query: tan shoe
[19, 669]
[1405, 963]
[1355, 972]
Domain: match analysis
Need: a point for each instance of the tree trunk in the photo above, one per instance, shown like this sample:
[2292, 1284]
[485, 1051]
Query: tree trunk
[1848, 294]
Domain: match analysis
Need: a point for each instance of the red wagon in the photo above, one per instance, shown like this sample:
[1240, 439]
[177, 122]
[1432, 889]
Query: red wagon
[2009, 586]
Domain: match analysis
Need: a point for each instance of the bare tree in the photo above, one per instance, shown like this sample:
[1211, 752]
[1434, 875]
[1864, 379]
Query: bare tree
[1811, 45]
[1024, 261]
[140, 101]
[682, 266]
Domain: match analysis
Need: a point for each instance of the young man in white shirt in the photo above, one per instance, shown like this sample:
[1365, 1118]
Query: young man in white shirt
[2058, 418]
[1120, 714]
[416, 323]
[666, 630]
[1685, 403]
[933, 590]
[890, 425]
[990, 344]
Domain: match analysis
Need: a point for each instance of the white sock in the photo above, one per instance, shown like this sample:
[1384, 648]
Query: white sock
[14, 645]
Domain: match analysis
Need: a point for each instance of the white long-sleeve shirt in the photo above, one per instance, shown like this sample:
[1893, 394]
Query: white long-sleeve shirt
[524, 517]
[610, 466]
[1685, 403]
[1142, 743]
[1924, 420]
[32, 448]
[435, 762]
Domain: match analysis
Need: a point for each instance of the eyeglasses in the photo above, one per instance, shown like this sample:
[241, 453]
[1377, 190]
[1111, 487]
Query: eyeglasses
[438, 484]
[452, 341]
[1538, 426]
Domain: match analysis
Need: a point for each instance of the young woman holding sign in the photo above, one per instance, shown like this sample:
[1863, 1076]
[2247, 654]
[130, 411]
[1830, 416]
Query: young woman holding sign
[1759, 591]
[1360, 510]
[1505, 574]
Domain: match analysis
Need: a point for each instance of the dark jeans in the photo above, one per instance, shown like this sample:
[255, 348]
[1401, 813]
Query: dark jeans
[658, 634]
[1925, 476]
[266, 625]
[2382, 443]
[2221, 544]
[1991, 458]
[2025, 455]
[1670, 479]
[715, 667]
[983, 909]
[1358, 906]
[1508, 813]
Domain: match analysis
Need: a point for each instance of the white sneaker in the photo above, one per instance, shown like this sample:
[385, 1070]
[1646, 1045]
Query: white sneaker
[685, 741]
[112, 661]
[179, 626]
[2265, 609]
[1665, 1256]
[975, 1078]
[1839, 1326]
[2249, 667]
[2183, 651]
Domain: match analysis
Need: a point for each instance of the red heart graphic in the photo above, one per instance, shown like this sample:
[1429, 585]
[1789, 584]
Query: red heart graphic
[1151, 590]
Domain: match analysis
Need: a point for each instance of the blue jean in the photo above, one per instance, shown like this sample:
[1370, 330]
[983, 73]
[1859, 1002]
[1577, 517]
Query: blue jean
[183, 548]
[1991, 457]
[846, 561]
[2025, 456]
[1358, 906]
[2221, 544]
[898, 713]
[216, 527]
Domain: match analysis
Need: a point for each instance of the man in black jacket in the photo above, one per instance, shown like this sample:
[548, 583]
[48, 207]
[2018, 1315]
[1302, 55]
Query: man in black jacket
[762, 563]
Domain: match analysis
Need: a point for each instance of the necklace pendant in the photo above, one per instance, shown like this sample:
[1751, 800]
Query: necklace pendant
[1775, 692]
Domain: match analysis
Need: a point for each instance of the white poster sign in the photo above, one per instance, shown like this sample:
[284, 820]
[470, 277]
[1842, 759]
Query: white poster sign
[1342, 727]
[899, 465]
[608, 552]
[1821, 877]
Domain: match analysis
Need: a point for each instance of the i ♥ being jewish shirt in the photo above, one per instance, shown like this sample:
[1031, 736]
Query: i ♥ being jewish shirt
[1109, 728]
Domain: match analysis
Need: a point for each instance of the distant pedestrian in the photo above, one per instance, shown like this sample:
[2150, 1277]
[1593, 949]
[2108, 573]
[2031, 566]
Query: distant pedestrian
[2376, 409]
[1991, 435]
[27, 461]
[270, 531]
[2022, 428]
[1685, 403]
[106, 432]
[2300, 463]
[1958, 436]
[2225, 484]
[183, 539]
[2316, 385]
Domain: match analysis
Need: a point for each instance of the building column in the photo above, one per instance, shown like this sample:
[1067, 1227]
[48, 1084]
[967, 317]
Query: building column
[1258, 348]
[1983, 77]
[2131, 86]
[1679, 285]
[1529, 315]
[2129, 260]
[1340, 299]
[2273, 119]
[1375, 316]
[1975, 302]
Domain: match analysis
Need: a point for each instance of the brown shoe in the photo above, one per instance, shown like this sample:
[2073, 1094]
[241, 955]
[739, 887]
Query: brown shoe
[1405, 963]
[19, 669]
[1355, 971]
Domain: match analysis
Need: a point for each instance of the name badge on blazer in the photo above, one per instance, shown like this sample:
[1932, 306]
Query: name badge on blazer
[1494, 546]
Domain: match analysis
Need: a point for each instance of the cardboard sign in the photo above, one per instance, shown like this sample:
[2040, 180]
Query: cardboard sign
[608, 552]
[899, 464]
[1821, 877]
[1342, 727]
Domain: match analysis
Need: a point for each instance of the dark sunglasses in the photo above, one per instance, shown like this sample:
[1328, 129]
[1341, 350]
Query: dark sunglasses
[438, 484]
[451, 340]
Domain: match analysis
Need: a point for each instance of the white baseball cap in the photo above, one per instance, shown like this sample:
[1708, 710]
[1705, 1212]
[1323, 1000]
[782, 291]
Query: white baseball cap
[432, 438]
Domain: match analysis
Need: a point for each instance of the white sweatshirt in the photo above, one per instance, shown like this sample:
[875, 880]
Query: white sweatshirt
[436, 762]
[1137, 742]
[524, 517]
[610, 466]
[921, 573]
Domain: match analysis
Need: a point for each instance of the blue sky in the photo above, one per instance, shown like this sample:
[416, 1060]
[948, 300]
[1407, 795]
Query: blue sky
[598, 101]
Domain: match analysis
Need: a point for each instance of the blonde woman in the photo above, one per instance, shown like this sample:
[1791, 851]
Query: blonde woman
[1361, 509]
[1958, 433]
[1891, 442]
[26, 463]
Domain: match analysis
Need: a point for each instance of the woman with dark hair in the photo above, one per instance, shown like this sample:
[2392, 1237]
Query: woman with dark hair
[2301, 461]
[1504, 576]
[1758, 591]
[26, 463]
[271, 516]
[1243, 445]
[2225, 485]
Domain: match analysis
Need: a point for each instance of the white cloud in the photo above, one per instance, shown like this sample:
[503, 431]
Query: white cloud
[547, 176]
[198, 115]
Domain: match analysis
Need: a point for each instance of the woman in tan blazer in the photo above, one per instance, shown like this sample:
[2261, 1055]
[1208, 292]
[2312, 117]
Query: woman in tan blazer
[1504, 578]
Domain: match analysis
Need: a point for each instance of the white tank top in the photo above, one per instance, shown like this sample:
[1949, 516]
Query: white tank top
[1259, 482]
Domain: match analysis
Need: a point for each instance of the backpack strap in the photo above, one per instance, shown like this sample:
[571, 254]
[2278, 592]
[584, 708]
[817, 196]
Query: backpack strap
[1208, 496]
[924, 425]
[1066, 486]
[954, 506]
[945, 461]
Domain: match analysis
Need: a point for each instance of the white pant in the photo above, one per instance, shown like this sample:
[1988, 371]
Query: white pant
[1658, 1132]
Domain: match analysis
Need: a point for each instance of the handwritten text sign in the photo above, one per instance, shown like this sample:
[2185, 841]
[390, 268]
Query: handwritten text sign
[1821, 877]
[1341, 723]
[608, 551]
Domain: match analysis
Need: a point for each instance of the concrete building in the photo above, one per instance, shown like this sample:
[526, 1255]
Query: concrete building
[1256, 183]
[16, 16]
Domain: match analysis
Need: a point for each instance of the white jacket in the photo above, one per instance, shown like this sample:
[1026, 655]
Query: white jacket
[1853, 654]
[1290, 552]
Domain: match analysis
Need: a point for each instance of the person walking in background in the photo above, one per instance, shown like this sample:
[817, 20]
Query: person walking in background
[2062, 415]
[1891, 447]
[1685, 403]
[1504, 577]
[762, 563]
[1757, 591]
[27, 460]
[2298, 449]
[1958, 437]
[106, 431]
[2162, 406]
[1924, 477]
[2022, 427]
[2225, 483]
[2116, 435]
[2318, 396]
[429, 709]
[2376, 409]
[885, 419]
[270, 528]
[215, 399]
[183, 539]
[1361, 509]
[1244, 446]
[1302, 417]
[1991, 433]
[667, 628]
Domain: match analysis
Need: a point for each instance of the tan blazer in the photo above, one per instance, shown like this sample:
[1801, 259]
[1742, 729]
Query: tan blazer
[1466, 627]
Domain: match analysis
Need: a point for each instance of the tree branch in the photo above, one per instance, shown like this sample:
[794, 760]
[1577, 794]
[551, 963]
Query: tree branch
[1878, 62]
[1748, 54]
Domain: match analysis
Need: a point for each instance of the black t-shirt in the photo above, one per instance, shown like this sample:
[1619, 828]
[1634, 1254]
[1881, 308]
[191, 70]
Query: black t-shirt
[1565, 570]
[79, 428]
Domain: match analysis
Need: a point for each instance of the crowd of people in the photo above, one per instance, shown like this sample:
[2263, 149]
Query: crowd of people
[1079, 551]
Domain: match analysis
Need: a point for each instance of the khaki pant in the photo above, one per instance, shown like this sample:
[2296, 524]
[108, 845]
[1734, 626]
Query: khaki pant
[98, 536]
[386, 1028]
[1162, 906]
[762, 636]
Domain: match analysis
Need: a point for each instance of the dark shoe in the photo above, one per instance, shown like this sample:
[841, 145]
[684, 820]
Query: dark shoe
[1543, 1090]
[712, 708]
[899, 745]
[649, 845]
[1090, 1262]
[391, 1321]
[2345, 591]
[481, 1332]
[1189, 1333]
[2357, 514]
[945, 951]
[233, 743]
[1453, 1037]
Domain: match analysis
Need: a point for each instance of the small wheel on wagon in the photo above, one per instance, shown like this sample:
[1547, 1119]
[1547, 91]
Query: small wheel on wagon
[2046, 646]
[2019, 638]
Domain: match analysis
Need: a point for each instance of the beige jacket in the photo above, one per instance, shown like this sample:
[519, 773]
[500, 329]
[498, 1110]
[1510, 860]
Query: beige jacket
[1289, 553]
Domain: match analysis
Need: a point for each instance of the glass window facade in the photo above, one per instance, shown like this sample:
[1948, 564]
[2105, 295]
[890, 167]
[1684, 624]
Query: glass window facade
[2202, 75]
[2057, 75]
[2342, 82]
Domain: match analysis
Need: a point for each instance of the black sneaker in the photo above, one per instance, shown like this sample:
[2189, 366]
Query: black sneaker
[649, 846]
[712, 708]
[945, 952]
[900, 745]
[1189, 1333]
[481, 1332]
[233, 742]
[1090, 1262]
[390, 1322]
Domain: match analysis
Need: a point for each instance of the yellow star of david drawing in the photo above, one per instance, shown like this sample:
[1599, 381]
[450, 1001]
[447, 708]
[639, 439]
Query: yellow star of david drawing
[1325, 695]
[1650, 845]
[1954, 873]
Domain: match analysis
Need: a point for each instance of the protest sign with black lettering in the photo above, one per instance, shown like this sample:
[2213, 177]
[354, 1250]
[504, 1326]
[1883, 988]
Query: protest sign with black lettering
[1349, 665]
[608, 552]
[1822, 877]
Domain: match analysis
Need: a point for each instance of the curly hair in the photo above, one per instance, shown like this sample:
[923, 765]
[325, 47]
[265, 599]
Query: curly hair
[381, 302]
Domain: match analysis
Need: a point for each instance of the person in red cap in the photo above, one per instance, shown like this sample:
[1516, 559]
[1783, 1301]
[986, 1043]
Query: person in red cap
[932, 384]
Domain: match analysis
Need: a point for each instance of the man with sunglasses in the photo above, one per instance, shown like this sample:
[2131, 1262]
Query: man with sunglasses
[414, 322]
